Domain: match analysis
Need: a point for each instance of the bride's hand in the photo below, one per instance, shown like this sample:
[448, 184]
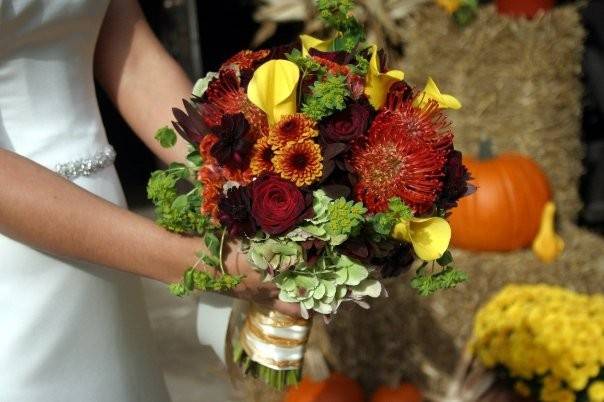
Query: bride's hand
[252, 287]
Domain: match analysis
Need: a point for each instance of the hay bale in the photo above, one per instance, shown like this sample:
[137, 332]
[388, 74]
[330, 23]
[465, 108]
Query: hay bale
[519, 83]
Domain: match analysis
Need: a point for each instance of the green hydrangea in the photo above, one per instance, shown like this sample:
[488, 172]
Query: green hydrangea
[274, 256]
[324, 287]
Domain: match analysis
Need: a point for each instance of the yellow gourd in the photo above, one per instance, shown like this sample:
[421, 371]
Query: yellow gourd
[547, 246]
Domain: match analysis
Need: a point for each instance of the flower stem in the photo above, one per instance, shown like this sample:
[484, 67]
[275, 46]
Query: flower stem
[222, 239]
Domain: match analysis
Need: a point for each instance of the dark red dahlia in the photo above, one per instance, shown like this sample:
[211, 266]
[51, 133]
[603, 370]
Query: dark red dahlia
[455, 182]
[234, 142]
[234, 212]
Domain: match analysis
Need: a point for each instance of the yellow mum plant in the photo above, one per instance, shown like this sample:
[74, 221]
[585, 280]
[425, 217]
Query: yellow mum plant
[549, 341]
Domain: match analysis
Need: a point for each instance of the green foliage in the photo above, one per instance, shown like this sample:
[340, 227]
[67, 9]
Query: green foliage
[344, 216]
[327, 97]
[361, 66]
[384, 222]
[427, 284]
[166, 137]
[337, 14]
[306, 64]
[194, 279]
[176, 212]
[275, 256]
[323, 287]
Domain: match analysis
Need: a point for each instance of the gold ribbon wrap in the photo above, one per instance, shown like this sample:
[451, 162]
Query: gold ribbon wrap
[273, 339]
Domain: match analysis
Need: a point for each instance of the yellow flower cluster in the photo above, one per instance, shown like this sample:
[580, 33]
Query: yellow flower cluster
[547, 334]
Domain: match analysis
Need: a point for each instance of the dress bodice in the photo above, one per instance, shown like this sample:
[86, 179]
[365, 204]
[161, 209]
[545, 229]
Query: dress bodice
[48, 108]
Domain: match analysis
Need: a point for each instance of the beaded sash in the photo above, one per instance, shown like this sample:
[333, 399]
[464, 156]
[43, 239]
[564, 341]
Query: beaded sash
[87, 166]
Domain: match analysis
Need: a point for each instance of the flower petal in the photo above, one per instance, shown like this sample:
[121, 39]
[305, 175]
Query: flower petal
[273, 88]
[377, 83]
[431, 92]
[310, 42]
[430, 237]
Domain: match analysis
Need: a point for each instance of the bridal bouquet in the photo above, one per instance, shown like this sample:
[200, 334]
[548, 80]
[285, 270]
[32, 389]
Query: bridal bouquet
[328, 168]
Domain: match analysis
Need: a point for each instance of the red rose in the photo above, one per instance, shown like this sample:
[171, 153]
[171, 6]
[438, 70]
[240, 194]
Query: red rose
[346, 125]
[277, 204]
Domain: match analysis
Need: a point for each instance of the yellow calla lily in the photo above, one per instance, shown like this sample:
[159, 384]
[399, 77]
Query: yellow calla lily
[429, 237]
[309, 42]
[273, 89]
[377, 83]
[548, 245]
[431, 92]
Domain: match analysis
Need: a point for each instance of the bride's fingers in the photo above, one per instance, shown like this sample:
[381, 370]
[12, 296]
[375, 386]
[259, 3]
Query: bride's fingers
[291, 309]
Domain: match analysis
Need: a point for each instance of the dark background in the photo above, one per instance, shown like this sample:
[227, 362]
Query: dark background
[227, 26]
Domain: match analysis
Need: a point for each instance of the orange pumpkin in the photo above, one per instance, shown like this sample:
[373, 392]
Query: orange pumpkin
[505, 213]
[336, 388]
[526, 8]
[406, 392]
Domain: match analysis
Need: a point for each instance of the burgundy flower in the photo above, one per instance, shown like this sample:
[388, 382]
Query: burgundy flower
[314, 249]
[234, 212]
[455, 183]
[346, 125]
[397, 262]
[233, 146]
[339, 57]
[278, 205]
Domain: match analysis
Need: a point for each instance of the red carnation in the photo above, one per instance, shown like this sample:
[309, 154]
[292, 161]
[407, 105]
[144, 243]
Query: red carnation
[277, 204]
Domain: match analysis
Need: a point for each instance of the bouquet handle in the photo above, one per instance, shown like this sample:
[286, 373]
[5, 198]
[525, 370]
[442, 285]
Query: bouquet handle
[271, 346]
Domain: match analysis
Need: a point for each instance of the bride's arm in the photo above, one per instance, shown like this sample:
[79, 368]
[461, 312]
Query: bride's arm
[40, 208]
[140, 77]
[44, 210]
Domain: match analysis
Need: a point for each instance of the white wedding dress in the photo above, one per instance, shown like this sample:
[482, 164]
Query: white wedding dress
[69, 331]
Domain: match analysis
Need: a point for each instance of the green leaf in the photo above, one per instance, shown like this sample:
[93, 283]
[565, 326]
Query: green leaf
[166, 137]
[356, 273]
[369, 287]
[195, 158]
[446, 259]
[181, 202]
[188, 279]
[212, 242]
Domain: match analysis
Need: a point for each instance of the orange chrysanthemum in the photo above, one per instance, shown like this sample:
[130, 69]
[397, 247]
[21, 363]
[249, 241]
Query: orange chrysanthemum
[262, 155]
[299, 162]
[295, 127]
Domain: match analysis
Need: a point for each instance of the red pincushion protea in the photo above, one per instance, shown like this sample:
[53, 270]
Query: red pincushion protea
[427, 126]
[403, 156]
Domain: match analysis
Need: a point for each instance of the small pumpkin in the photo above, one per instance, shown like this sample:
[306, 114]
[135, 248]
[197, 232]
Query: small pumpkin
[336, 388]
[505, 213]
[406, 392]
[548, 245]
[525, 8]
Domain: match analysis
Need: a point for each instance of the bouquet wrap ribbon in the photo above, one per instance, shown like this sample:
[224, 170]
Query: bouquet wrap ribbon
[273, 339]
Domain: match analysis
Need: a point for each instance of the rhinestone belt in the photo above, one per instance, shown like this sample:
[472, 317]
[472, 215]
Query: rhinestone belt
[87, 166]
